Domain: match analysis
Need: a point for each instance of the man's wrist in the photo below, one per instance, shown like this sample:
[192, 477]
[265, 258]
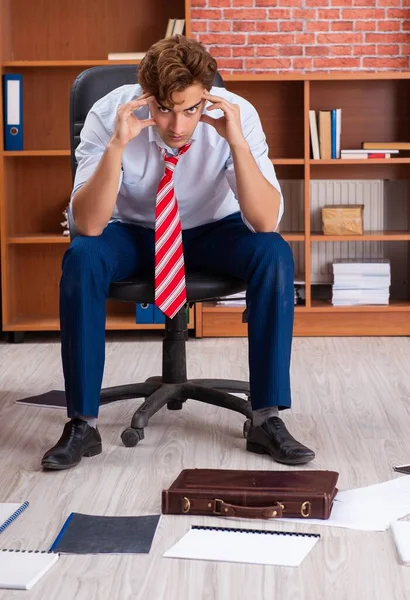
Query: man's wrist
[116, 144]
[239, 146]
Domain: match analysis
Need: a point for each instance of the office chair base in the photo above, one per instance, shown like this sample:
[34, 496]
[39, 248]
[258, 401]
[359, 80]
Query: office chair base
[158, 394]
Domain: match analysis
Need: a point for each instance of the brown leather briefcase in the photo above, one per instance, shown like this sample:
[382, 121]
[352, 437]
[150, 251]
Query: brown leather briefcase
[252, 494]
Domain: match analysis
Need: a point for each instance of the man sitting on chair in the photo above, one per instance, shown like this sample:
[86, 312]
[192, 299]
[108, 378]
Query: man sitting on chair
[229, 204]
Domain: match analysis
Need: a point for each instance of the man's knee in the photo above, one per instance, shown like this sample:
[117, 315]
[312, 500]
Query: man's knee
[273, 251]
[85, 261]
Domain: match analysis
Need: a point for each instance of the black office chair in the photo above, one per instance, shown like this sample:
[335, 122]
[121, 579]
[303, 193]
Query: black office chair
[172, 388]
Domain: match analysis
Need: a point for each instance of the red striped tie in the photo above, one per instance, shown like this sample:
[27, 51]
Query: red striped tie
[170, 290]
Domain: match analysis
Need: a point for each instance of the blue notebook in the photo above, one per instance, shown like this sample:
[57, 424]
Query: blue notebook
[9, 511]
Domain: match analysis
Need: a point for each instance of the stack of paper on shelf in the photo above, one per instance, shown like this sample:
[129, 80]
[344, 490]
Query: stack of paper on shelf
[358, 282]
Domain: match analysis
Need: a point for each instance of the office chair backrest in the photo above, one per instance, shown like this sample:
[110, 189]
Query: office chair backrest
[93, 84]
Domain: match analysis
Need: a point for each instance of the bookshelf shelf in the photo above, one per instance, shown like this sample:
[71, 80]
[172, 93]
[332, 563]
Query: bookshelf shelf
[34, 64]
[365, 162]
[27, 153]
[50, 48]
[393, 306]
[374, 236]
[38, 239]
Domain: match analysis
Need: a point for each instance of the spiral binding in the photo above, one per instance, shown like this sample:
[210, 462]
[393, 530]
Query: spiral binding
[26, 551]
[13, 516]
[267, 532]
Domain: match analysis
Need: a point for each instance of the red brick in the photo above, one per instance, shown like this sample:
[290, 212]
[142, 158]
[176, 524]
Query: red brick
[406, 26]
[220, 25]
[279, 13]
[340, 51]
[399, 62]
[245, 13]
[245, 26]
[312, 26]
[365, 25]
[386, 38]
[290, 51]
[342, 26]
[364, 3]
[267, 2]
[317, 50]
[267, 63]
[398, 13]
[341, 2]
[292, 3]
[305, 14]
[197, 3]
[199, 26]
[311, 3]
[405, 49]
[388, 49]
[328, 13]
[267, 26]
[336, 63]
[364, 50]
[230, 63]
[339, 38]
[304, 38]
[302, 63]
[278, 38]
[219, 3]
[362, 13]
[388, 25]
[267, 50]
[291, 26]
[228, 38]
[203, 13]
[397, 3]
[242, 3]
[243, 51]
[220, 50]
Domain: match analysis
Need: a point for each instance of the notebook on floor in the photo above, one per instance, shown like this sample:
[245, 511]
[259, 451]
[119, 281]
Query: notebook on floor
[21, 569]
[54, 399]
[91, 534]
[9, 511]
[401, 536]
[225, 544]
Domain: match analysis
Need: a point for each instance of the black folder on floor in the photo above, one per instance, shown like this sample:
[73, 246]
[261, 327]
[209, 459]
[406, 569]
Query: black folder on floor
[92, 534]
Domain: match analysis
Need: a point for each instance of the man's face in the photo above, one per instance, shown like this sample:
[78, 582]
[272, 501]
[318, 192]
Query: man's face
[176, 124]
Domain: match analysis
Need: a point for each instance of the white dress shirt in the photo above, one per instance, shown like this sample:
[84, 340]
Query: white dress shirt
[204, 179]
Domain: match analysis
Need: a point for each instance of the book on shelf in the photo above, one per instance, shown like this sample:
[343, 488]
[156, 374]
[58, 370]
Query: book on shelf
[386, 146]
[360, 282]
[174, 27]
[325, 133]
[360, 154]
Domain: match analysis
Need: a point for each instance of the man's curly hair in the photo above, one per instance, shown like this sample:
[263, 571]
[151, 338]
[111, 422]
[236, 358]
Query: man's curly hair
[173, 64]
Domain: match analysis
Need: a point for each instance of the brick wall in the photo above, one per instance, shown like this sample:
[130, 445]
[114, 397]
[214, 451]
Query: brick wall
[304, 35]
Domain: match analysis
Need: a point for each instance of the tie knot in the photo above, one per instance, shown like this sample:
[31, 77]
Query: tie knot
[171, 160]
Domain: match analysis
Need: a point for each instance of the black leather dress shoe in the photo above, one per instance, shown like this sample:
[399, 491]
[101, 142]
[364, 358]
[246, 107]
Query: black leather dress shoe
[78, 440]
[273, 438]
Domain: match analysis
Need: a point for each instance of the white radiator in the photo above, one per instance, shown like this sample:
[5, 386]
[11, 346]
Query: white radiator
[386, 207]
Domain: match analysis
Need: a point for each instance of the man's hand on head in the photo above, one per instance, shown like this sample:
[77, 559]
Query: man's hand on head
[229, 125]
[128, 125]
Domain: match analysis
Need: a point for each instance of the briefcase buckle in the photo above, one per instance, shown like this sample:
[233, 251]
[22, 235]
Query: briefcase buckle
[218, 506]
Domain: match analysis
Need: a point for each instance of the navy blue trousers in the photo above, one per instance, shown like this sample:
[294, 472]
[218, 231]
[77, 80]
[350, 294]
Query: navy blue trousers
[228, 247]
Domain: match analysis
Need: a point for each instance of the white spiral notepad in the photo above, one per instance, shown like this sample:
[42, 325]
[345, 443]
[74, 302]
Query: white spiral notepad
[21, 569]
[225, 544]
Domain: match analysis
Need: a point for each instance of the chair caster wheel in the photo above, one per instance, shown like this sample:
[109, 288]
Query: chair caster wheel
[130, 437]
[246, 427]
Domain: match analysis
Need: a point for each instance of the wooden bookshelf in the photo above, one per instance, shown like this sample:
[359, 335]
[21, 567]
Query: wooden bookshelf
[51, 47]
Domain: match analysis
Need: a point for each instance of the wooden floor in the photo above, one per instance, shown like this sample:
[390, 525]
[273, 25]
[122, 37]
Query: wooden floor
[351, 404]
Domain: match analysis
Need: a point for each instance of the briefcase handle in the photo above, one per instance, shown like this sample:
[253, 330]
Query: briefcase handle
[224, 509]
